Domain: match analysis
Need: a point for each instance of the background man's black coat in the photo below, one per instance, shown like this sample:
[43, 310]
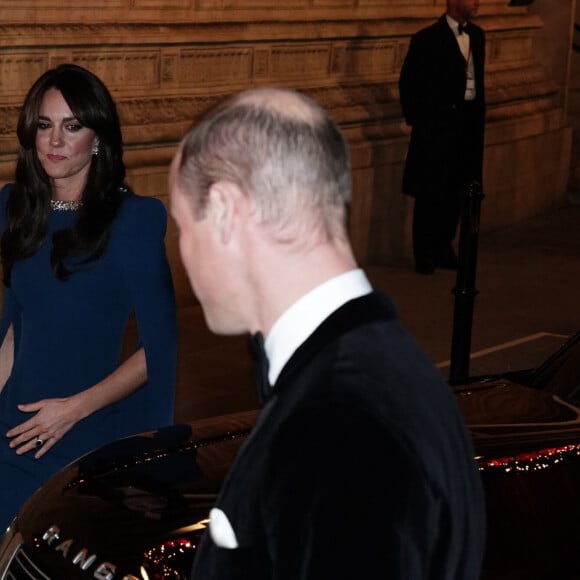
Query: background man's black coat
[432, 91]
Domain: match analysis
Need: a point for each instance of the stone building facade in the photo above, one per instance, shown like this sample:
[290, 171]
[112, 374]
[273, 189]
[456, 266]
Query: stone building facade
[166, 61]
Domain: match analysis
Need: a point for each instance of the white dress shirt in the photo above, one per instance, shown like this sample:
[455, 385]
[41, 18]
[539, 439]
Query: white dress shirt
[465, 46]
[306, 314]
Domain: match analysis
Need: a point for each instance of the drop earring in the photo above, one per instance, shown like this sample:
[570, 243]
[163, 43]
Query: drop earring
[95, 150]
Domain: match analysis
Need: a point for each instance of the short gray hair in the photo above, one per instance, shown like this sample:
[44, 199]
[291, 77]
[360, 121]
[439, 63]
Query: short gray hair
[293, 167]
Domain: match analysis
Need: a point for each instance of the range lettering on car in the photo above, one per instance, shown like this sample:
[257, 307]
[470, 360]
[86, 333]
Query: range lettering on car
[103, 571]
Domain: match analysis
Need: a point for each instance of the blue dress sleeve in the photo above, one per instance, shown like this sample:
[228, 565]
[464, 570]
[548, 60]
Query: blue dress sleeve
[10, 314]
[143, 262]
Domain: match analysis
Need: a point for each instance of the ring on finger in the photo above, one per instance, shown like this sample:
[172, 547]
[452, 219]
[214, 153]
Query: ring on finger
[39, 442]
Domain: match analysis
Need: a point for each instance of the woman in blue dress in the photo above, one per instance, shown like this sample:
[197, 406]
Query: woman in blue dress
[80, 254]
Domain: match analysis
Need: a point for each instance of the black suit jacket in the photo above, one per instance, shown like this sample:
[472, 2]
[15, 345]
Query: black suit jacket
[446, 146]
[359, 466]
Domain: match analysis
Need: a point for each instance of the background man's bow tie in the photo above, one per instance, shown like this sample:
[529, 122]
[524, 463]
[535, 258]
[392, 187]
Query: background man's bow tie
[461, 28]
[260, 366]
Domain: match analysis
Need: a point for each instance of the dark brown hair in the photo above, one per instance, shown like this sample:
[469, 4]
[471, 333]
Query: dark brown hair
[28, 204]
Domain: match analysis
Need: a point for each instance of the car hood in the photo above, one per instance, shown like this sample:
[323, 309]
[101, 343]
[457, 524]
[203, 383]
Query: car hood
[505, 417]
[133, 509]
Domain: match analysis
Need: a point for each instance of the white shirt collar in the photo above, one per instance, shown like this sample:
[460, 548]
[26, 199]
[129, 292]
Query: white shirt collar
[453, 24]
[305, 315]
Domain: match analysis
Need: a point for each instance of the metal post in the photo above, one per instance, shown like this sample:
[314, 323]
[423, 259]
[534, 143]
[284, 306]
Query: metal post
[465, 290]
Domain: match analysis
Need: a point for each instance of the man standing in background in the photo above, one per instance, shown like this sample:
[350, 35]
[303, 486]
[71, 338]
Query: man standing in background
[442, 96]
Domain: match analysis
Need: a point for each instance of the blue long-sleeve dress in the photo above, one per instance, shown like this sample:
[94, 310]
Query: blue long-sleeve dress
[68, 335]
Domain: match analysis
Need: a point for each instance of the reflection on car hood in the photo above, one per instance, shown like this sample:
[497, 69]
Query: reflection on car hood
[505, 417]
[137, 504]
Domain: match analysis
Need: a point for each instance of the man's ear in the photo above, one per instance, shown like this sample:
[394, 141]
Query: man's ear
[224, 199]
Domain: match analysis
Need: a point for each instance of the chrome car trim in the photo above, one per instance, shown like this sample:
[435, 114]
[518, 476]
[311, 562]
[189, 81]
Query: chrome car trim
[8, 550]
[80, 558]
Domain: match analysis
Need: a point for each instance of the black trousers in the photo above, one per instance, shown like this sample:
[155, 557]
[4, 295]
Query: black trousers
[435, 221]
[436, 212]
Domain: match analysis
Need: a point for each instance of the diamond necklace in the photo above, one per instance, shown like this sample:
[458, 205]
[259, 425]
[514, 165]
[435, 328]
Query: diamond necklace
[62, 205]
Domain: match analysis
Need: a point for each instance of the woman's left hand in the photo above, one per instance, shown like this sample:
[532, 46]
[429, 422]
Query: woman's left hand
[53, 418]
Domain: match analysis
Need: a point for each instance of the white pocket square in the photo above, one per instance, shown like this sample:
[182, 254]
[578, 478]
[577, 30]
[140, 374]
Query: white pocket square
[221, 530]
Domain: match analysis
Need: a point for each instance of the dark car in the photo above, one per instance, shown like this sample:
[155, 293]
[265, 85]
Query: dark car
[136, 508]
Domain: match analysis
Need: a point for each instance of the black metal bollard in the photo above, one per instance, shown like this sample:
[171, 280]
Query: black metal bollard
[465, 290]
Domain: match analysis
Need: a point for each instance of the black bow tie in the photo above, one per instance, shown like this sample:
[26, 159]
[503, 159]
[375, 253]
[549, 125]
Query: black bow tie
[461, 28]
[260, 366]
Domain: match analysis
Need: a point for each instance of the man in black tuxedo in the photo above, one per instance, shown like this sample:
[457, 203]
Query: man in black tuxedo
[442, 96]
[359, 465]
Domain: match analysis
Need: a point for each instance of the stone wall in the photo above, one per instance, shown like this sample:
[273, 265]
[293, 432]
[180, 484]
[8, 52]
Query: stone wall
[165, 61]
[574, 108]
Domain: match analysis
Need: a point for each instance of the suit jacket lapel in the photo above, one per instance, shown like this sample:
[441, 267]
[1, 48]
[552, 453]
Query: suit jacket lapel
[450, 45]
[353, 314]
